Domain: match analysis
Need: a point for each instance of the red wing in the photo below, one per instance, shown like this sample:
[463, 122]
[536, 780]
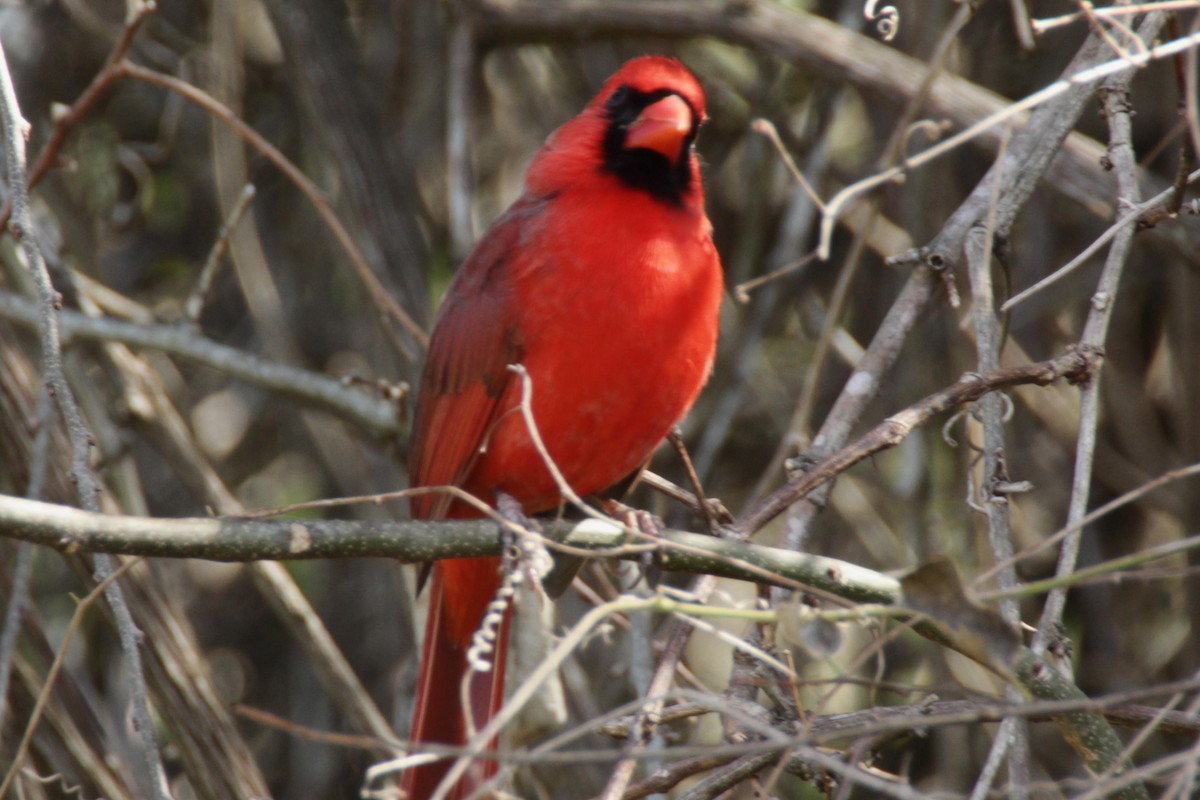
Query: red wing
[474, 340]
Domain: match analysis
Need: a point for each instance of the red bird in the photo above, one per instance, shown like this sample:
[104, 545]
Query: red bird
[603, 282]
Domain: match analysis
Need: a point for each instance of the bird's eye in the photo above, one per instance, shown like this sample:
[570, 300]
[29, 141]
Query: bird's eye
[619, 98]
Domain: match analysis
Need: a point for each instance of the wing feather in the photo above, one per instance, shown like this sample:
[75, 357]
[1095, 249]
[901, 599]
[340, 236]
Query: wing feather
[475, 339]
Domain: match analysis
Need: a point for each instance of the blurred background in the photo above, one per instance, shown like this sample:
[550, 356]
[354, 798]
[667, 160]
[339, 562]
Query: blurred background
[416, 120]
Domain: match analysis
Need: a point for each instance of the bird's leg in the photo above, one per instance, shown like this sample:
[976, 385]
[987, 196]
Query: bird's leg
[524, 553]
[510, 509]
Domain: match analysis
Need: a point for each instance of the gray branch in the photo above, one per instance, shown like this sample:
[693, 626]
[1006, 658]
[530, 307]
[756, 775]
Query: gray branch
[86, 482]
[373, 414]
[415, 541]
[1117, 107]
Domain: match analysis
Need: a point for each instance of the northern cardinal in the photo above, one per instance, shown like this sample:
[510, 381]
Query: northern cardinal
[603, 282]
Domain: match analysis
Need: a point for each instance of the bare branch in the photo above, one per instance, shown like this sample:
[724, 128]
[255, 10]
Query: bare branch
[1074, 366]
[373, 414]
[87, 484]
[379, 293]
[1118, 109]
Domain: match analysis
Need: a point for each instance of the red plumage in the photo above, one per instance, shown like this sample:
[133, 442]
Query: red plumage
[602, 280]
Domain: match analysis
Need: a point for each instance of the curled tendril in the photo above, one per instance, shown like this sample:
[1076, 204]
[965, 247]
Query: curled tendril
[887, 19]
[483, 643]
[525, 559]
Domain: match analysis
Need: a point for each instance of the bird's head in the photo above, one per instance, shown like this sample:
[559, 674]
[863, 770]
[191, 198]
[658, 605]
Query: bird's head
[640, 129]
[652, 109]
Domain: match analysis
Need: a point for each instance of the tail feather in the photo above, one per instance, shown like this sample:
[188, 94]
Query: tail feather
[459, 594]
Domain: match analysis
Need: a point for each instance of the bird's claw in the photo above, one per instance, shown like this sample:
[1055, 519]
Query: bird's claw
[638, 519]
[645, 523]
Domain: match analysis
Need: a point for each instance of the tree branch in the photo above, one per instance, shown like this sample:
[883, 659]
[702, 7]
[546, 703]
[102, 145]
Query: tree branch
[414, 541]
[1075, 365]
[1117, 107]
[832, 50]
[373, 414]
[374, 285]
[87, 484]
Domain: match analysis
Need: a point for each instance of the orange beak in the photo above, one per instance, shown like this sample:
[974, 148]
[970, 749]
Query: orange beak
[662, 127]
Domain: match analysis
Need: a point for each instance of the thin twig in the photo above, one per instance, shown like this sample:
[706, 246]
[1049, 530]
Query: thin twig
[1147, 210]
[195, 301]
[1074, 366]
[765, 127]
[65, 121]
[18, 598]
[56, 666]
[87, 484]
[1133, 494]
[1191, 109]
[460, 102]
[348, 740]
[1041, 26]
[988, 342]
[799, 426]
[646, 721]
[379, 293]
[23, 566]
[1021, 24]
[377, 415]
[675, 437]
[1117, 108]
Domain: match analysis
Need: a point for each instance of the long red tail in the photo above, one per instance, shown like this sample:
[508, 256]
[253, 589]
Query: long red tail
[458, 597]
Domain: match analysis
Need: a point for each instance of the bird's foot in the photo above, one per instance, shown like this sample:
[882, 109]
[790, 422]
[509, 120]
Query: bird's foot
[645, 523]
[635, 518]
